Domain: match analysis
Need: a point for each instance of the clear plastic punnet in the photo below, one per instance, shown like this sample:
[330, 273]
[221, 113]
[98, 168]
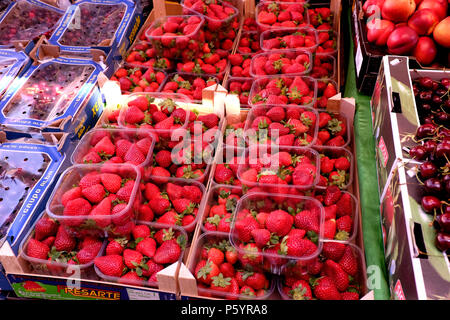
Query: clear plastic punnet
[290, 283]
[48, 92]
[289, 38]
[281, 90]
[96, 198]
[295, 62]
[276, 15]
[245, 291]
[26, 20]
[144, 273]
[222, 17]
[93, 23]
[188, 84]
[340, 174]
[177, 37]
[323, 67]
[60, 262]
[173, 201]
[133, 146]
[285, 126]
[335, 130]
[282, 217]
[280, 169]
[11, 63]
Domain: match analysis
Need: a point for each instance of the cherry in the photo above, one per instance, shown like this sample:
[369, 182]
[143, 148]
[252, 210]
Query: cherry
[447, 187]
[444, 221]
[425, 95]
[442, 241]
[426, 130]
[426, 107]
[446, 83]
[430, 146]
[427, 169]
[440, 92]
[430, 203]
[442, 117]
[433, 185]
[443, 150]
[426, 82]
[415, 90]
[429, 119]
[444, 133]
[435, 85]
[418, 152]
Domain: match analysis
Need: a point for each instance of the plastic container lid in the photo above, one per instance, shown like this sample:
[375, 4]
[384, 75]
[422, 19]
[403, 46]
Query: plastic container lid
[251, 201]
[92, 137]
[281, 43]
[215, 237]
[265, 91]
[26, 20]
[72, 175]
[54, 267]
[152, 284]
[291, 55]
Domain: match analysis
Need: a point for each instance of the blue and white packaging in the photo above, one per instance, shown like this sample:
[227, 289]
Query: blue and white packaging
[115, 25]
[12, 63]
[57, 95]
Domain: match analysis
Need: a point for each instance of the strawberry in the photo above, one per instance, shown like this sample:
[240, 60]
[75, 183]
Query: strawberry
[130, 277]
[330, 212]
[116, 246]
[344, 226]
[90, 179]
[105, 147]
[342, 163]
[307, 220]
[193, 193]
[94, 194]
[336, 142]
[89, 253]
[37, 249]
[132, 258]
[112, 182]
[332, 195]
[141, 231]
[333, 250]
[134, 155]
[255, 280]
[324, 118]
[337, 274]
[209, 120]
[147, 247]
[126, 191]
[247, 291]
[163, 158]
[49, 241]
[329, 229]
[205, 271]
[344, 205]
[350, 295]
[133, 115]
[261, 237]
[227, 269]
[168, 252]
[348, 262]
[279, 222]
[325, 289]
[300, 291]
[337, 178]
[221, 283]
[64, 240]
[244, 228]
[111, 265]
[183, 205]
[70, 194]
[44, 228]
[101, 213]
[223, 175]
[295, 245]
[76, 207]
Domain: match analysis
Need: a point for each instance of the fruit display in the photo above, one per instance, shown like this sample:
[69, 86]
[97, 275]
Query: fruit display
[92, 199]
[26, 20]
[408, 27]
[131, 146]
[221, 272]
[137, 259]
[52, 249]
[335, 275]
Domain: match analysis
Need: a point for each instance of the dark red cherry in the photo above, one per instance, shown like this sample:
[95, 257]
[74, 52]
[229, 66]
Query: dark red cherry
[430, 203]
[446, 83]
[425, 96]
[426, 130]
[433, 186]
[442, 241]
[444, 221]
[427, 169]
[418, 152]
[426, 82]
[430, 146]
[443, 150]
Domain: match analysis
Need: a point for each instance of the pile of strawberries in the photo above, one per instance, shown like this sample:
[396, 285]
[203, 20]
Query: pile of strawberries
[334, 275]
[143, 54]
[189, 85]
[290, 38]
[335, 167]
[170, 201]
[115, 146]
[280, 15]
[270, 63]
[240, 87]
[138, 79]
[220, 273]
[137, 258]
[90, 199]
[333, 130]
[325, 90]
[52, 247]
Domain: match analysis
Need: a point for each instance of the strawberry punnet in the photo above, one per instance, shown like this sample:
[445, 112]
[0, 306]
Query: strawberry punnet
[325, 277]
[143, 54]
[137, 259]
[320, 17]
[289, 38]
[221, 274]
[333, 130]
[283, 90]
[240, 87]
[335, 167]
[280, 15]
[280, 62]
[189, 85]
[138, 79]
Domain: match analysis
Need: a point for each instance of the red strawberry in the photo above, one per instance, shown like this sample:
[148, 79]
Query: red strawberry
[344, 205]
[227, 269]
[205, 271]
[244, 228]
[324, 118]
[116, 246]
[350, 295]
[159, 205]
[64, 240]
[111, 265]
[300, 291]
[332, 195]
[105, 147]
[89, 252]
[76, 207]
[256, 280]
[133, 115]
[126, 191]
[295, 245]
[342, 163]
[344, 226]
[37, 249]
[164, 158]
[335, 272]
[325, 289]
[261, 237]
[307, 220]
[132, 258]
[336, 142]
[101, 214]
[45, 227]
[70, 194]
[348, 262]
[329, 229]
[279, 222]
[221, 283]
[89, 180]
[147, 247]
[112, 182]
[333, 250]
[183, 205]
[168, 252]
[141, 231]
[94, 194]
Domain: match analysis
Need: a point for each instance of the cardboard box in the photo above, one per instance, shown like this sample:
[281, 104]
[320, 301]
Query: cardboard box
[394, 115]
